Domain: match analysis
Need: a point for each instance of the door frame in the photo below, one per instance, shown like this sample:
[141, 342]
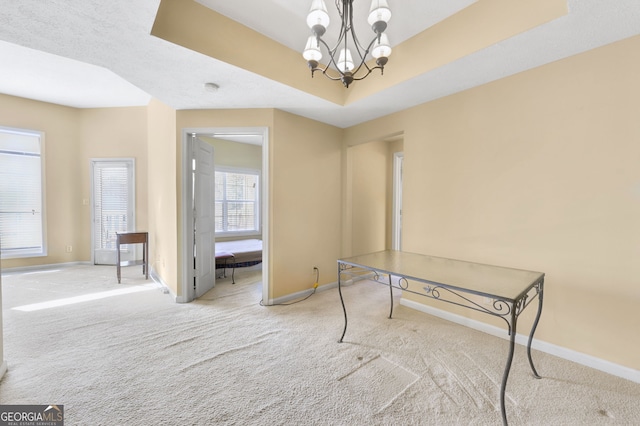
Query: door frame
[187, 214]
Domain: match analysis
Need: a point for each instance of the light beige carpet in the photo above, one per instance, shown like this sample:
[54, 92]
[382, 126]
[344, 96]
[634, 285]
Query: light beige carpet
[140, 359]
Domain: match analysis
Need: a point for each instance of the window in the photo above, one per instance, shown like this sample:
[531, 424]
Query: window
[21, 194]
[237, 204]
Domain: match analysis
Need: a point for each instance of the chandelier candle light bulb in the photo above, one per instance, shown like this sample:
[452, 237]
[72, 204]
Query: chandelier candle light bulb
[381, 50]
[379, 13]
[318, 18]
[348, 46]
[345, 61]
[312, 51]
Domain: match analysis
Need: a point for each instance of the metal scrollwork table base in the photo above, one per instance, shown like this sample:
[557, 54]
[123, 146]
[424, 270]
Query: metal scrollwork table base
[493, 290]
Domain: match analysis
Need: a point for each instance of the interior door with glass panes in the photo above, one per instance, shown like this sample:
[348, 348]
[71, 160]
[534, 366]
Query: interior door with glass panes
[112, 201]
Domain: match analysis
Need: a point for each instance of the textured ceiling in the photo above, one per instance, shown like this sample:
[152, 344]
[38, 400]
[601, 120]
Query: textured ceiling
[92, 53]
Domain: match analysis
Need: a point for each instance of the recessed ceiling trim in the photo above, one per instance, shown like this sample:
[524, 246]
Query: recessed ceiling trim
[474, 28]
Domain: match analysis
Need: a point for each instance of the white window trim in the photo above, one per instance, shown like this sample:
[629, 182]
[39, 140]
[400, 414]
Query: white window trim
[43, 190]
[258, 209]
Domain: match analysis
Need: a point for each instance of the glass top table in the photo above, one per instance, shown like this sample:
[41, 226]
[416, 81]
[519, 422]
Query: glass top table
[484, 280]
[506, 291]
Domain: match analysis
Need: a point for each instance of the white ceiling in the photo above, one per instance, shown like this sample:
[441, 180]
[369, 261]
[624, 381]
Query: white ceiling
[94, 53]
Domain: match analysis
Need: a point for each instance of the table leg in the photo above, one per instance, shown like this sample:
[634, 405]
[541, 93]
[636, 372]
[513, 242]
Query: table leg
[507, 368]
[233, 271]
[145, 260]
[533, 329]
[391, 294]
[344, 309]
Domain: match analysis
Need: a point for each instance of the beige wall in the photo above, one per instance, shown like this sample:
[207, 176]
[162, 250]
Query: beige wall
[112, 133]
[72, 138]
[63, 200]
[235, 154]
[538, 171]
[369, 188]
[306, 202]
[304, 179]
[162, 193]
[368, 195]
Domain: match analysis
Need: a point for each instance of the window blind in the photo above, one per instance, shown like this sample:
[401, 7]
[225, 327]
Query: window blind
[21, 195]
[111, 192]
[236, 201]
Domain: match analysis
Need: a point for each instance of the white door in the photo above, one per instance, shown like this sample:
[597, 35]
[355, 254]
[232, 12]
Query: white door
[203, 216]
[112, 208]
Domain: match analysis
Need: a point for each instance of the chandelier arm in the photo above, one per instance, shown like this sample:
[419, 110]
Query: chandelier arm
[356, 42]
[331, 77]
[347, 23]
[369, 71]
[364, 63]
[324, 71]
[342, 35]
[331, 57]
[354, 72]
[357, 69]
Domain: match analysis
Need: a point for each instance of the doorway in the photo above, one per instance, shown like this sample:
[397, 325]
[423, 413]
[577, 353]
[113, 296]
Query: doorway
[250, 135]
[396, 212]
[373, 219]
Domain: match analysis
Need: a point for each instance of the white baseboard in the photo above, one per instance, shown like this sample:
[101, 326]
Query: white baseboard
[153, 274]
[299, 295]
[559, 351]
[344, 283]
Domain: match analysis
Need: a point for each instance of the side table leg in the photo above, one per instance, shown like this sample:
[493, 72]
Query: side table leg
[233, 271]
[145, 260]
[118, 260]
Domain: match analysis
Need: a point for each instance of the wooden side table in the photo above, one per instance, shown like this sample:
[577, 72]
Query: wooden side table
[134, 238]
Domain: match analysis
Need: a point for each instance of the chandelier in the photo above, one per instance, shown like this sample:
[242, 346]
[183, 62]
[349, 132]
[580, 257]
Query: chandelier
[341, 55]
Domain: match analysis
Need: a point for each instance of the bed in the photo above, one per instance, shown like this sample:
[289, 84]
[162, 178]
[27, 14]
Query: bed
[237, 254]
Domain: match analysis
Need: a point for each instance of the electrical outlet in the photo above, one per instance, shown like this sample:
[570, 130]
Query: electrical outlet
[69, 249]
